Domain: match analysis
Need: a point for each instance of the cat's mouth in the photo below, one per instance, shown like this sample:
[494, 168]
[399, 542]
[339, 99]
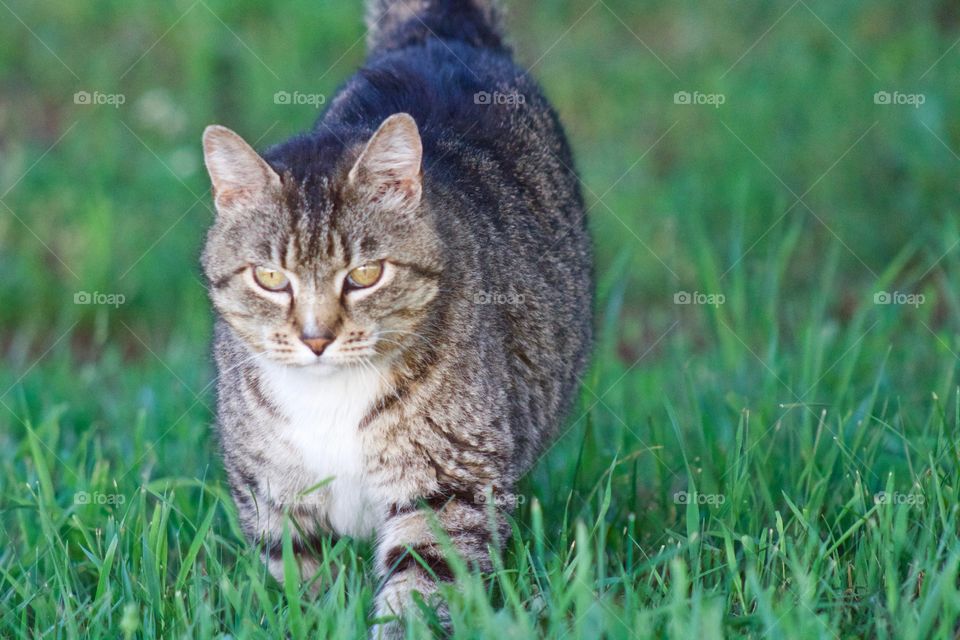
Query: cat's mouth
[346, 358]
[334, 362]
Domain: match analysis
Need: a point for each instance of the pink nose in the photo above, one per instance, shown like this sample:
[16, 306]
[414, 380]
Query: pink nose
[317, 345]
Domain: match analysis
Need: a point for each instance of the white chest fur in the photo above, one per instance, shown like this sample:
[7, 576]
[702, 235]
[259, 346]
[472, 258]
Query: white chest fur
[324, 411]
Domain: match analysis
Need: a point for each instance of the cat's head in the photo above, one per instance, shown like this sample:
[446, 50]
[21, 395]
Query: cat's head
[324, 266]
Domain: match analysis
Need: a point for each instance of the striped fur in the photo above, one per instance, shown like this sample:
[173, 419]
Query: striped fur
[442, 382]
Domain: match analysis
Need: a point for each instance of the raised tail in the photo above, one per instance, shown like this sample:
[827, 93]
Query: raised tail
[394, 24]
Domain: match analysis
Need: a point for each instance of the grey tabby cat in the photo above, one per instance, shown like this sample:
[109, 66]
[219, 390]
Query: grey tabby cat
[404, 301]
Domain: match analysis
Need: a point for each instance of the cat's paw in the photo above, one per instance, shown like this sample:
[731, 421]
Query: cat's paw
[392, 630]
[397, 598]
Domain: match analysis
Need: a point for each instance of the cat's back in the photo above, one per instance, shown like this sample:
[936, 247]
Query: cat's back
[461, 97]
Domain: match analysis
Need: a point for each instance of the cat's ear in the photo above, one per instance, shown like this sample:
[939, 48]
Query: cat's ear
[390, 164]
[237, 172]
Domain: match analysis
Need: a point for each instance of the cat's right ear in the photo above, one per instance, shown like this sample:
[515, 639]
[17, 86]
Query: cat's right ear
[237, 172]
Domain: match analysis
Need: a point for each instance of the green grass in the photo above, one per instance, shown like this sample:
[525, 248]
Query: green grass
[821, 431]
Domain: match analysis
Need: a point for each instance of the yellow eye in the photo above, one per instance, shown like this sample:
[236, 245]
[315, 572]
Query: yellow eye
[270, 279]
[365, 276]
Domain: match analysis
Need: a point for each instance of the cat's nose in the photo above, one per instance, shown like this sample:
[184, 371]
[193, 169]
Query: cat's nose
[317, 344]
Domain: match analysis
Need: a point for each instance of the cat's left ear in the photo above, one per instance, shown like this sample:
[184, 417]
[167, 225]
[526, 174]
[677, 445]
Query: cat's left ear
[390, 164]
[237, 172]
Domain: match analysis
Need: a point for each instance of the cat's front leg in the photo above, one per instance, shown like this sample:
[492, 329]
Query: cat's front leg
[411, 558]
[263, 520]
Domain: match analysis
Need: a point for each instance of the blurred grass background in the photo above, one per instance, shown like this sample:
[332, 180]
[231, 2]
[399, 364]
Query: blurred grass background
[797, 199]
[119, 200]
